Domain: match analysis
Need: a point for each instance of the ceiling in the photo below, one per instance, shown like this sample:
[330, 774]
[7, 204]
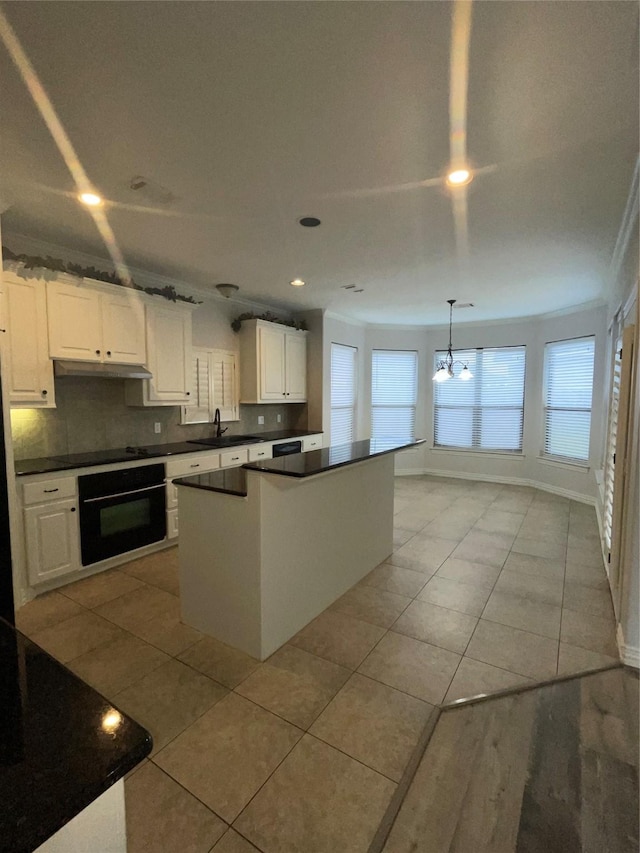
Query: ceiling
[254, 114]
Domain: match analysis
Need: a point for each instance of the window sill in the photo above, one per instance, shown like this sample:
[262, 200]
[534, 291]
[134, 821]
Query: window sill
[563, 463]
[504, 454]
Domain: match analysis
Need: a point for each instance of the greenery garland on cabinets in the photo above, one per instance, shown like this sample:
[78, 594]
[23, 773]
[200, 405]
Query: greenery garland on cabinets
[36, 262]
[236, 324]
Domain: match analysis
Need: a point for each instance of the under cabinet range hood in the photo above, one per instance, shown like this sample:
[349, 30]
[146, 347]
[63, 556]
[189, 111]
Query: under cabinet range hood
[96, 369]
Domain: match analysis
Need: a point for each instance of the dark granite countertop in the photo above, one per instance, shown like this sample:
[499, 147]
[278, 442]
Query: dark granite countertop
[318, 461]
[61, 744]
[47, 465]
[233, 480]
[229, 481]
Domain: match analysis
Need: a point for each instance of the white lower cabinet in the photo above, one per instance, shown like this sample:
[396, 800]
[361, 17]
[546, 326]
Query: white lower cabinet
[238, 456]
[52, 540]
[311, 442]
[172, 523]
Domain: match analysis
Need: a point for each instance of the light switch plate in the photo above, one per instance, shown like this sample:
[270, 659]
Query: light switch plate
[260, 419]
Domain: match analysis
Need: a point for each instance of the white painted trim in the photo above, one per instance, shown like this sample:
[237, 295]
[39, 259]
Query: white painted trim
[507, 481]
[627, 225]
[333, 315]
[629, 655]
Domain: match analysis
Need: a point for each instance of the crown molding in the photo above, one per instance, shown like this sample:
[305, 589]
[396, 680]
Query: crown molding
[35, 246]
[628, 226]
[351, 321]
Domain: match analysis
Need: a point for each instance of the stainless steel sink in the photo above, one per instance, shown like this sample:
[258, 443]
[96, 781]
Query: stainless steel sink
[227, 440]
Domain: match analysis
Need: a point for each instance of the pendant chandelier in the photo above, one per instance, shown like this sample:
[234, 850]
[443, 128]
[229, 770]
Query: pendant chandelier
[444, 369]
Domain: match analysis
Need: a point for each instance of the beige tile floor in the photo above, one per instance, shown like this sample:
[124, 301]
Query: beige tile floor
[489, 586]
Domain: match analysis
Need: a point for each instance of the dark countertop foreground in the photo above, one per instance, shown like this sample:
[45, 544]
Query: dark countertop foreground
[50, 464]
[232, 481]
[318, 461]
[229, 481]
[61, 744]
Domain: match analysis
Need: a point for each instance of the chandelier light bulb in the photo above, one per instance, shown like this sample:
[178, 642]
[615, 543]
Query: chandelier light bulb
[90, 199]
[459, 178]
[465, 373]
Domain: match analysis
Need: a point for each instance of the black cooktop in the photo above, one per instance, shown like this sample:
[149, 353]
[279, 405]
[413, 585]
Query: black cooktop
[103, 457]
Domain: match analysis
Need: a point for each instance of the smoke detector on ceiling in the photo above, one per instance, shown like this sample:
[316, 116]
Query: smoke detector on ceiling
[151, 191]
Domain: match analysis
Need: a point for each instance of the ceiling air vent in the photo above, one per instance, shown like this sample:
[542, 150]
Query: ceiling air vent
[151, 191]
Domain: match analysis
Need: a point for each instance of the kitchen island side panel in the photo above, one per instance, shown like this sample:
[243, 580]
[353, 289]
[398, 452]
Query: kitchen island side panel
[319, 536]
[219, 554]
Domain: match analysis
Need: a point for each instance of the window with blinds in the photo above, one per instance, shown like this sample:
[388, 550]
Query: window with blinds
[568, 388]
[343, 393]
[394, 390]
[485, 412]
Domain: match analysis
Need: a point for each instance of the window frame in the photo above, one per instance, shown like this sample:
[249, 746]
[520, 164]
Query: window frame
[519, 452]
[573, 461]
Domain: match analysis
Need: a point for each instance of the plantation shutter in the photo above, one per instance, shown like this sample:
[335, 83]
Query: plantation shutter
[485, 412]
[198, 412]
[394, 386]
[223, 366]
[343, 393]
[612, 432]
[568, 382]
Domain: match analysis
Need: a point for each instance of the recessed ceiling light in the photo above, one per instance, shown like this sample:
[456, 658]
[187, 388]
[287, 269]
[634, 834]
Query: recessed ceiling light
[309, 221]
[459, 177]
[90, 199]
[298, 282]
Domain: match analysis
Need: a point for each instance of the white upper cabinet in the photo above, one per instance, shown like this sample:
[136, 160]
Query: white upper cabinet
[95, 322]
[273, 363]
[123, 328]
[169, 358]
[25, 347]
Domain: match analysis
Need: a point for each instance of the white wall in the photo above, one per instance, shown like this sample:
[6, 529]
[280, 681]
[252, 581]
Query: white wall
[529, 466]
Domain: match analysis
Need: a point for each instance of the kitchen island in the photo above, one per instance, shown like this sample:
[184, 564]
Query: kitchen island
[267, 547]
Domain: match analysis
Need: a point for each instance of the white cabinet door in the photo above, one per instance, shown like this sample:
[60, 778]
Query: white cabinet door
[23, 308]
[123, 328]
[52, 540]
[295, 367]
[75, 324]
[169, 343]
[271, 355]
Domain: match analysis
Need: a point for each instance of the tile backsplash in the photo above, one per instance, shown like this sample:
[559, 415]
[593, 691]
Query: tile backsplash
[92, 415]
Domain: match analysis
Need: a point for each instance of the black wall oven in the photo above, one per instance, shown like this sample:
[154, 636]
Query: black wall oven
[120, 511]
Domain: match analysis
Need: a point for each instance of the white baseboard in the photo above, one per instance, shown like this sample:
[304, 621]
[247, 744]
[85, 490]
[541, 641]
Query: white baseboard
[507, 481]
[629, 655]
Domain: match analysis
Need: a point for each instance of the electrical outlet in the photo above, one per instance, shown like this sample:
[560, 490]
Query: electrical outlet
[260, 420]
[157, 427]
[279, 419]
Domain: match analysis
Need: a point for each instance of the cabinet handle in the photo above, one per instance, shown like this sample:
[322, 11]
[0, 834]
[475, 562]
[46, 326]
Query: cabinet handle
[188, 393]
[3, 330]
[195, 466]
[235, 458]
[44, 393]
[108, 352]
[49, 491]
[73, 509]
[97, 352]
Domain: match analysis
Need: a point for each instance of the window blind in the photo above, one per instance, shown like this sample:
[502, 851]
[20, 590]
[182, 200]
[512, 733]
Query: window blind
[343, 393]
[485, 412]
[394, 388]
[198, 412]
[568, 388]
[612, 435]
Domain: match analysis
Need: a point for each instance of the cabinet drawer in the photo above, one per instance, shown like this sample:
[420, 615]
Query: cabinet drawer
[49, 490]
[311, 442]
[258, 452]
[234, 457]
[196, 464]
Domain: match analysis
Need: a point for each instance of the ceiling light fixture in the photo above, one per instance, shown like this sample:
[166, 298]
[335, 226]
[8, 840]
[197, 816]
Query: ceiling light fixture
[444, 370]
[297, 282]
[459, 177]
[90, 199]
[227, 290]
